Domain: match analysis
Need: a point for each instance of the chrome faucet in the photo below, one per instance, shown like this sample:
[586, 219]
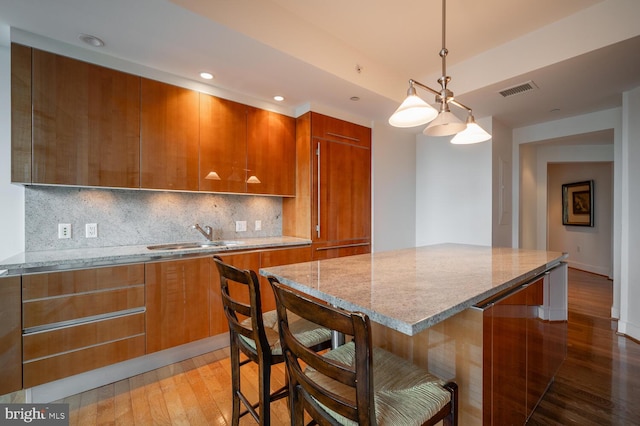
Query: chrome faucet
[207, 231]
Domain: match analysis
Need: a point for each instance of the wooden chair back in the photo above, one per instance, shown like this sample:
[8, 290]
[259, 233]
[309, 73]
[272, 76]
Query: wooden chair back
[345, 389]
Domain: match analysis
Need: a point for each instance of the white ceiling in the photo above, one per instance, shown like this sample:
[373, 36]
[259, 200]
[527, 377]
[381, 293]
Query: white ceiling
[310, 52]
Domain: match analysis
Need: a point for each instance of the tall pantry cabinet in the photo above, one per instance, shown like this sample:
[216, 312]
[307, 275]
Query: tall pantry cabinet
[333, 187]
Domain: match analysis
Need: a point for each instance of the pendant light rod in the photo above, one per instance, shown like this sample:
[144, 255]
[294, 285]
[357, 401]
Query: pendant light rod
[415, 112]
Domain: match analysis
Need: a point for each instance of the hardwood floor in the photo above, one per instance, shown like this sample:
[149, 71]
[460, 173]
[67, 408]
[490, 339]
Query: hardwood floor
[598, 384]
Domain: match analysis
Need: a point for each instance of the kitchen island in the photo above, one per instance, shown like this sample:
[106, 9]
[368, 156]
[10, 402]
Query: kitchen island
[492, 319]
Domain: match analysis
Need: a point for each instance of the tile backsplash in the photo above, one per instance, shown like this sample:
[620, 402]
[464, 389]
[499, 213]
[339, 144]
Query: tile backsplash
[132, 217]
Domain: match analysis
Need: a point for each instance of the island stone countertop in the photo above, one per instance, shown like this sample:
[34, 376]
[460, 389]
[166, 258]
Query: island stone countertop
[412, 289]
[49, 260]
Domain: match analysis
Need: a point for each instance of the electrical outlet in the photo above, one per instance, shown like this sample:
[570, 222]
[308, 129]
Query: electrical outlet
[91, 230]
[241, 225]
[64, 230]
[258, 225]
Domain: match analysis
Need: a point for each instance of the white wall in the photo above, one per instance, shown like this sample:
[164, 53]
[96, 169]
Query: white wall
[11, 196]
[453, 191]
[589, 248]
[394, 184]
[630, 246]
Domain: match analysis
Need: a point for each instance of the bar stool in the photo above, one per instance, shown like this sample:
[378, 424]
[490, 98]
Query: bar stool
[355, 383]
[256, 335]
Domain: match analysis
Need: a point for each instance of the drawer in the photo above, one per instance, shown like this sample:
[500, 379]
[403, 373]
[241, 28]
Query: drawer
[38, 286]
[68, 364]
[55, 310]
[65, 339]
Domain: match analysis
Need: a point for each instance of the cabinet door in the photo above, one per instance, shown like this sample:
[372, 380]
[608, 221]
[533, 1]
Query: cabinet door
[223, 145]
[169, 136]
[10, 336]
[342, 192]
[537, 360]
[218, 320]
[325, 127]
[509, 363]
[85, 123]
[177, 302]
[271, 153]
[20, 113]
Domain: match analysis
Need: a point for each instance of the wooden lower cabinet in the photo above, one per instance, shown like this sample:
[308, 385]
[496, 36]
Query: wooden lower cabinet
[10, 331]
[177, 302]
[251, 260]
[79, 320]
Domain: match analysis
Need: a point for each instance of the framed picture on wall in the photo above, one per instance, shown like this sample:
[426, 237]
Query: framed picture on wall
[577, 203]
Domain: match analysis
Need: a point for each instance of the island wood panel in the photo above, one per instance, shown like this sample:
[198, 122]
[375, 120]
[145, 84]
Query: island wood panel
[177, 302]
[64, 339]
[296, 211]
[169, 141]
[271, 153]
[509, 360]
[10, 332]
[452, 350]
[223, 145]
[277, 258]
[86, 123]
[20, 113]
[46, 311]
[75, 362]
[37, 286]
[247, 260]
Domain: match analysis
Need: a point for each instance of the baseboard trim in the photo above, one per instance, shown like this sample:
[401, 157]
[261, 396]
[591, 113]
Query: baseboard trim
[63, 388]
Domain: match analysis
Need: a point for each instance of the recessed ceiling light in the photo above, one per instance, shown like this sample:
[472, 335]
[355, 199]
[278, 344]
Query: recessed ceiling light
[555, 110]
[278, 98]
[355, 98]
[91, 40]
[206, 75]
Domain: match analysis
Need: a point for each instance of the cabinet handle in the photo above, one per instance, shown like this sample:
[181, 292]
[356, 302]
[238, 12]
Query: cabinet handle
[318, 200]
[342, 246]
[344, 137]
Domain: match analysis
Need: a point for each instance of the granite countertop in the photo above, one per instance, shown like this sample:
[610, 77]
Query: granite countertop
[412, 289]
[37, 261]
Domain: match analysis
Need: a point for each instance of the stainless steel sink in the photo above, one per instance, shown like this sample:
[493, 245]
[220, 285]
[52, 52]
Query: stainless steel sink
[194, 245]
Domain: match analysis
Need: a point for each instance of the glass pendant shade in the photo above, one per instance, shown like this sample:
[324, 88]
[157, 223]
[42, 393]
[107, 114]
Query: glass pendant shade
[445, 124]
[472, 134]
[413, 112]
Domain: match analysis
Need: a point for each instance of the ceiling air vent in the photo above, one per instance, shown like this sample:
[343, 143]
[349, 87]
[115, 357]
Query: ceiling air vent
[518, 89]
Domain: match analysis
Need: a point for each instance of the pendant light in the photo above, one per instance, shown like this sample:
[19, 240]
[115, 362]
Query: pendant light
[415, 112]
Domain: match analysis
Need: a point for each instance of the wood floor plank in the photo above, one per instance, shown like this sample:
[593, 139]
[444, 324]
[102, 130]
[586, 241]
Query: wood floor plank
[139, 402]
[123, 409]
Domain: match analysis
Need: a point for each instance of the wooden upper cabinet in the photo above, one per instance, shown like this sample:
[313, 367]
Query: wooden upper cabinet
[85, 123]
[223, 145]
[271, 153]
[20, 113]
[325, 127]
[169, 136]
